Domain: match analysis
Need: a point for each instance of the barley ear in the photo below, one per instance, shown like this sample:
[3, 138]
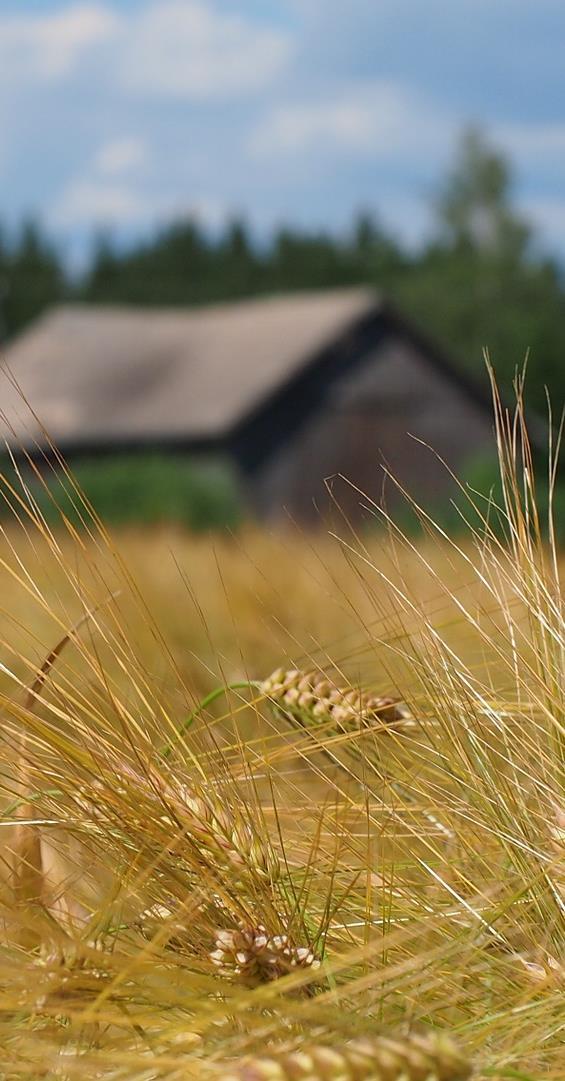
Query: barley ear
[412, 1057]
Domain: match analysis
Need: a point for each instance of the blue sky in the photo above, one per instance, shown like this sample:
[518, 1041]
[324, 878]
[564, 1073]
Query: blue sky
[127, 114]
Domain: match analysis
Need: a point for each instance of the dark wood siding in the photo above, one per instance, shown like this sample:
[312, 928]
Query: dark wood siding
[365, 418]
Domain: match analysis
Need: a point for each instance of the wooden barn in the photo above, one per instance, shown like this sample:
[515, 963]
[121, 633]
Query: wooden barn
[296, 390]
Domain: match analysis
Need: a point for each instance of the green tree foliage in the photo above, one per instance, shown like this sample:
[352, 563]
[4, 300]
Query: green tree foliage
[320, 261]
[482, 282]
[169, 269]
[473, 208]
[31, 278]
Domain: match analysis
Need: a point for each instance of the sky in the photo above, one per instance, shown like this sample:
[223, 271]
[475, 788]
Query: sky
[125, 115]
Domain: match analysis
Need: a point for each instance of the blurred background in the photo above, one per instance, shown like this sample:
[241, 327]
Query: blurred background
[345, 202]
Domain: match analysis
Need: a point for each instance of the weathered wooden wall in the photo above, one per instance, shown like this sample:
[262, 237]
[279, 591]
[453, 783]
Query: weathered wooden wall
[364, 420]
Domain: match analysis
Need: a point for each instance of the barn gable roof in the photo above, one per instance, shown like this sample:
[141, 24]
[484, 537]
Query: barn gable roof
[97, 374]
[100, 376]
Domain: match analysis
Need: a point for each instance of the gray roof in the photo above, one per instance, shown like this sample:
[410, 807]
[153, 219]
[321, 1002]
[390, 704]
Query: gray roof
[94, 374]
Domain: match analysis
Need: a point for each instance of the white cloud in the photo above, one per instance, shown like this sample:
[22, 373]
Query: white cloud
[98, 203]
[190, 51]
[39, 48]
[294, 128]
[376, 118]
[120, 156]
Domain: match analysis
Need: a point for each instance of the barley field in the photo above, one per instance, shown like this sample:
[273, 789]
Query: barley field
[282, 806]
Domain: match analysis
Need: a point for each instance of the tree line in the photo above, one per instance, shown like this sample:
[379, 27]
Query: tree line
[481, 279]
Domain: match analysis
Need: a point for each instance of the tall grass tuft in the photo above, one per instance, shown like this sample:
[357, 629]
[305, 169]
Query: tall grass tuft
[353, 868]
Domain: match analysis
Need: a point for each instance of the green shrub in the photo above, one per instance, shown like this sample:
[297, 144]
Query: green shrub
[145, 489]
